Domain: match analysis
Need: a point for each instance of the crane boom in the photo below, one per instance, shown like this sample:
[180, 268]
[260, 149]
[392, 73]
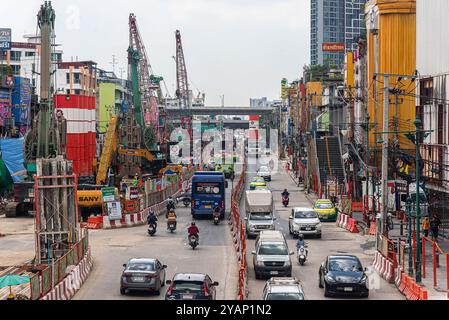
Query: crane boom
[147, 84]
[182, 91]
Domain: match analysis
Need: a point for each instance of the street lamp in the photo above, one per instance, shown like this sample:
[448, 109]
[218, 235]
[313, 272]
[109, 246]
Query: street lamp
[418, 135]
[410, 246]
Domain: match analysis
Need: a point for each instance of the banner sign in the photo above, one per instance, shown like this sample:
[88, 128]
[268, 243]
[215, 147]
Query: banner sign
[114, 210]
[108, 194]
[5, 39]
[334, 47]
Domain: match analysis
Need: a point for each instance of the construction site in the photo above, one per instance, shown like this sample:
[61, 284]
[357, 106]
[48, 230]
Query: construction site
[68, 171]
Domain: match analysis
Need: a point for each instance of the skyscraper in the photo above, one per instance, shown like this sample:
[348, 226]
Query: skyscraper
[335, 28]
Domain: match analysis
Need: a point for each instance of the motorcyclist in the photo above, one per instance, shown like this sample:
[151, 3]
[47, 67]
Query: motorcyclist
[152, 219]
[285, 194]
[193, 230]
[171, 217]
[301, 243]
[217, 211]
[170, 205]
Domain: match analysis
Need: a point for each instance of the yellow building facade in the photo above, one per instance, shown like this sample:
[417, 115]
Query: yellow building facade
[391, 40]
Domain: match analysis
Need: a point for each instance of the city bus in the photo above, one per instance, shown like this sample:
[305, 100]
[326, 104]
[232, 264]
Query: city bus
[208, 192]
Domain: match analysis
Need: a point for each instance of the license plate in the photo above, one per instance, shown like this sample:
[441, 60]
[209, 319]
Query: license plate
[308, 229]
[273, 272]
[208, 207]
[138, 279]
[187, 296]
[348, 289]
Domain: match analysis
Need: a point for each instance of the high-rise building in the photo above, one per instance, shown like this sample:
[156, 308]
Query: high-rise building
[336, 26]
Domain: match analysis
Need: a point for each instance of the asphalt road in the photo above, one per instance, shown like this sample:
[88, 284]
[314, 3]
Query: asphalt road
[215, 256]
[334, 241]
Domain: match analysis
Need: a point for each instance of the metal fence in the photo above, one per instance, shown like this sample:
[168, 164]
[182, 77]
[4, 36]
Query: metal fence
[44, 281]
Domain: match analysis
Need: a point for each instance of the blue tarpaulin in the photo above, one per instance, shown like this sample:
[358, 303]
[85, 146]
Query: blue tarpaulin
[12, 155]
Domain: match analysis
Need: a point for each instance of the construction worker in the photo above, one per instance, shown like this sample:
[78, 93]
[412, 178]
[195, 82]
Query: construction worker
[425, 225]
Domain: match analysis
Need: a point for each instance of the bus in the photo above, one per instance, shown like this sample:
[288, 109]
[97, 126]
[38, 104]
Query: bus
[208, 192]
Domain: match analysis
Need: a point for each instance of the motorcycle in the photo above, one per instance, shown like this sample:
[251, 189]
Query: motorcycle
[170, 205]
[216, 218]
[193, 241]
[285, 201]
[186, 202]
[171, 226]
[151, 229]
[302, 255]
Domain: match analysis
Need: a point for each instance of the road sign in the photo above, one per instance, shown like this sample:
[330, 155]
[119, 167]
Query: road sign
[5, 39]
[108, 194]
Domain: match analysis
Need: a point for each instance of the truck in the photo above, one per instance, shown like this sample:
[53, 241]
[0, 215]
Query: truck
[259, 212]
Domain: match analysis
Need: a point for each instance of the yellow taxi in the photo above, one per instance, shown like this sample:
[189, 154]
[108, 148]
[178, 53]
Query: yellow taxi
[257, 182]
[325, 210]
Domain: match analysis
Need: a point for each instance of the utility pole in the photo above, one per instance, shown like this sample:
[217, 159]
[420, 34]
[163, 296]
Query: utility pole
[367, 165]
[418, 135]
[383, 213]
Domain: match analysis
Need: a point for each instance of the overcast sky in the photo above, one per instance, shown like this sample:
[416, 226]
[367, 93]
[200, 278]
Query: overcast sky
[239, 48]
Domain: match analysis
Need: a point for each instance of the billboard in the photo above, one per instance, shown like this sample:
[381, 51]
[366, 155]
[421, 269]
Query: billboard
[5, 39]
[334, 47]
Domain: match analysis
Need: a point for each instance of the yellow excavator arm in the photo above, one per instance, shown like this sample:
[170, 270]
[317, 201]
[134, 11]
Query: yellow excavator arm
[137, 153]
[109, 149]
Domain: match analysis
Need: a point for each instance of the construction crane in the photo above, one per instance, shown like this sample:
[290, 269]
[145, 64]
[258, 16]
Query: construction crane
[47, 137]
[182, 91]
[146, 87]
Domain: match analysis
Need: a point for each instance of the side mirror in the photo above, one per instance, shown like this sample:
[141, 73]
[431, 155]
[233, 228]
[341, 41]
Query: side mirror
[215, 283]
[292, 253]
[124, 265]
[365, 269]
[274, 218]
[291, 218]
[253, 252]
[168, 282]
[246, 218]
[164, 266]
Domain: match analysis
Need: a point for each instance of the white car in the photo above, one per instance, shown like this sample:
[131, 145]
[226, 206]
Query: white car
[265, 173]
[304, 221]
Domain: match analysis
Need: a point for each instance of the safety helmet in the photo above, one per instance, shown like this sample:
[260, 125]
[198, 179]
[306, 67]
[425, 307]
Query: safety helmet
[301, 236]
[172, 210]
[193, 223]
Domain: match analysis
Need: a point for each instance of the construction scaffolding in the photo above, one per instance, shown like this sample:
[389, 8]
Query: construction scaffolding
[57, 225]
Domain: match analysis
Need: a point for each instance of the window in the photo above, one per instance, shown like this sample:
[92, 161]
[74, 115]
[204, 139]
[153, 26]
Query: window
[76, 78]
[68, 78]
[29, 53]
[278, 249]
[15, 55]
[141, 266]
[207, 188]
[426, 91]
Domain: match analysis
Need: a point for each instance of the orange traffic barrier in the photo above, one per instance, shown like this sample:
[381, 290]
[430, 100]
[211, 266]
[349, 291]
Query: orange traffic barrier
[353, 226]
[402, 284]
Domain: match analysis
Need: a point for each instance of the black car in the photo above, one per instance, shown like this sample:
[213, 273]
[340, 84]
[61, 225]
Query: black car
[143, 274]
[191, 286]
[343, 274]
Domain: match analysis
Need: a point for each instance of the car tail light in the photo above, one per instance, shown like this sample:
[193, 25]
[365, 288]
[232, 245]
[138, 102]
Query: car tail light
[222, 205]
[206, 291]
[169, 291]
[193, 203]
[127, 275]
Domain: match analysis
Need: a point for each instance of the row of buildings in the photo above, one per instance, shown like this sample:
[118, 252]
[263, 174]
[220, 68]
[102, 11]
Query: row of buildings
[396, 66]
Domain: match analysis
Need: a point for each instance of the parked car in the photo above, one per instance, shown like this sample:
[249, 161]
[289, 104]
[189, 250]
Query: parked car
[304, 221]
[143, 274]
[343, 274]
[191, 286]
[265, 173]
[326, 210]
[271, 256]
[279, 288]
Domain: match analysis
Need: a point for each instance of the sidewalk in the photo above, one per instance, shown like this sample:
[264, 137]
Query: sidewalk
[311, 197]
[437, 290]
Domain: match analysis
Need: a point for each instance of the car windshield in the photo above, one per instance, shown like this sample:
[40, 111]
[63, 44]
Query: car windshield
[258, 179]
[187, 285]
[141, 266]
[345, 265]
[260, 216]
[285, 296]
[323, 206]
[305, 214]
[273, 249]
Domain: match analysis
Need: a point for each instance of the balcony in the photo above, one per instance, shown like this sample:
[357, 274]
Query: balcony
[436, 159]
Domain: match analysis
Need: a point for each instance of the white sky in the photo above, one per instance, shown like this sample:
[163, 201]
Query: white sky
[239, 48]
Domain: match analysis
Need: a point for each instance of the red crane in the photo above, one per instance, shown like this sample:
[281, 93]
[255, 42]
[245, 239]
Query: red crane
[149, 85]
[182, 91]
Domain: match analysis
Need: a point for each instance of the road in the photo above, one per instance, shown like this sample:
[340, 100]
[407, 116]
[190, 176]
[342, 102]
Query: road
[112, 248]
[334, 241]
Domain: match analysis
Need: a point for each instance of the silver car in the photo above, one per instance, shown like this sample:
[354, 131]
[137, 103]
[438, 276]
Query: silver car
[143, 274]
[304, 221]
[283, 288]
